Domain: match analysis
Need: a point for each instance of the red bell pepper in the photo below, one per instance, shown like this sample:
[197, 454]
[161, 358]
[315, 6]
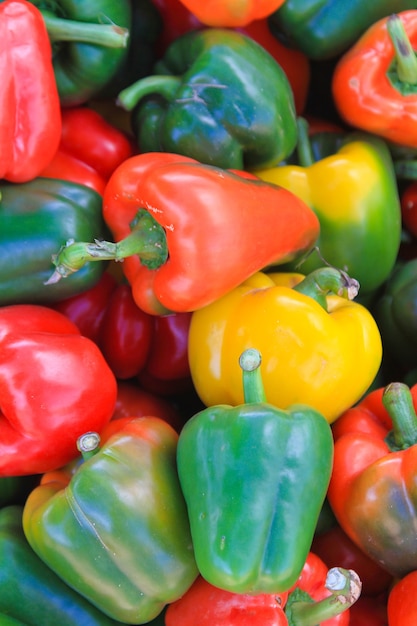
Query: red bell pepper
[335, 548]
[402, 601]
[409, 208]
[49, 377]
[206, 605]
[182, 252]
[134, 401]
[90, 149]
[371, 489]
[370, 611]
[86, 309]
[30, 122]
[152, 348]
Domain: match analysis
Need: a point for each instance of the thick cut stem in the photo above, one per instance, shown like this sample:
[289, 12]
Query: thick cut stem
[398, 401]
[253, 389]
[345, 586]
[325, 281]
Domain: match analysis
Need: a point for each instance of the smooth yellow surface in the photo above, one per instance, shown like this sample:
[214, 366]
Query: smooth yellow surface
[325, 359]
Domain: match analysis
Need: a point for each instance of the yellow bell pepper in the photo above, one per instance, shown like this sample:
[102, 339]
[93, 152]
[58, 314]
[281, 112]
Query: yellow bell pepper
[319, 347]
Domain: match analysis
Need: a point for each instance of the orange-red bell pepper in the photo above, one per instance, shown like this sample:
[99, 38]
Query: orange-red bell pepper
[374, 84]
[212, 229]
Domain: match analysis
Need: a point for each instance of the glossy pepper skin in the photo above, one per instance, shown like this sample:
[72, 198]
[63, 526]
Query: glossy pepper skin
[310, 345]
[31, 117]
[207, 605]
[126, 546]
[374, 84]
[395, 311]
[402, 605]
[30, 592]
[36, 219]
[371, 490]
[323, 29]
[254, 478]
[207, 99]
[89, 44]
[48, 389]
[360, 226]
[231, 13]
[90, 149]
[227, 216]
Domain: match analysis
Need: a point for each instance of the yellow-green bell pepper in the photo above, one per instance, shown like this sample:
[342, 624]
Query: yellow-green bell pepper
[354, 194]
[319, 346]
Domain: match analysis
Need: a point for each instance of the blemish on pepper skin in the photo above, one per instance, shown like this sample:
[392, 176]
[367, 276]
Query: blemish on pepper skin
[222, 542]
[354, 84]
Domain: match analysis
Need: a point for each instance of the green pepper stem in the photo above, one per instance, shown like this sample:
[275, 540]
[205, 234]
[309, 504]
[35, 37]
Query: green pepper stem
[253, 388]
[88, 444]
[398, 401]
[147, 240]
[304, 151]
[345, 587]
[326, 281]
[108, 35]
[405, 58]
[165, 86]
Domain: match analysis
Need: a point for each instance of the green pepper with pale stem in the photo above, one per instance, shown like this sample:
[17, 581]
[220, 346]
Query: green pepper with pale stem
[218, 97]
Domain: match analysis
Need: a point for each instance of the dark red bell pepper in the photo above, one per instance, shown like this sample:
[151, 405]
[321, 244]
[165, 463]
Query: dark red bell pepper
[335, 548]
[30, 118]
[54, 386]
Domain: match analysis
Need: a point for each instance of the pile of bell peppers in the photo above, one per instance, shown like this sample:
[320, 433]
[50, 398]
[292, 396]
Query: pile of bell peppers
[208, 313]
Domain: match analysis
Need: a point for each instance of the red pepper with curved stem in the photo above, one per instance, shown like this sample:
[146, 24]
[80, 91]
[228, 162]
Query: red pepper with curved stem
[402, 601]
[371, 489]
[48, 389]
[227, 227]
[30, 125]
[206, 605]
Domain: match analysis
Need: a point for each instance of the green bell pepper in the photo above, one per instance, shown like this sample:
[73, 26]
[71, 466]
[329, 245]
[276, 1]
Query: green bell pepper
[115, 527]
[323, 29]
[36, 219]
[360, 222]
[30, 592]
[216, 96]
[89, 44]
[254, 478]
[395, 312]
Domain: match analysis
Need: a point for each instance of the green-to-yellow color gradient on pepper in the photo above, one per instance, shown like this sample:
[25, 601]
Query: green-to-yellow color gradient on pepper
[354, 194]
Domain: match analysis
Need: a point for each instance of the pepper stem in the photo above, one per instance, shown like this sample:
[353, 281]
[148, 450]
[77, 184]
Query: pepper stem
[345, 587]
[165, 86]
[147, 240]
[326, 281]
[398, 401]
[403, 71]
[304, 150]
[253, 388]
[61, 29]
[88, 444]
